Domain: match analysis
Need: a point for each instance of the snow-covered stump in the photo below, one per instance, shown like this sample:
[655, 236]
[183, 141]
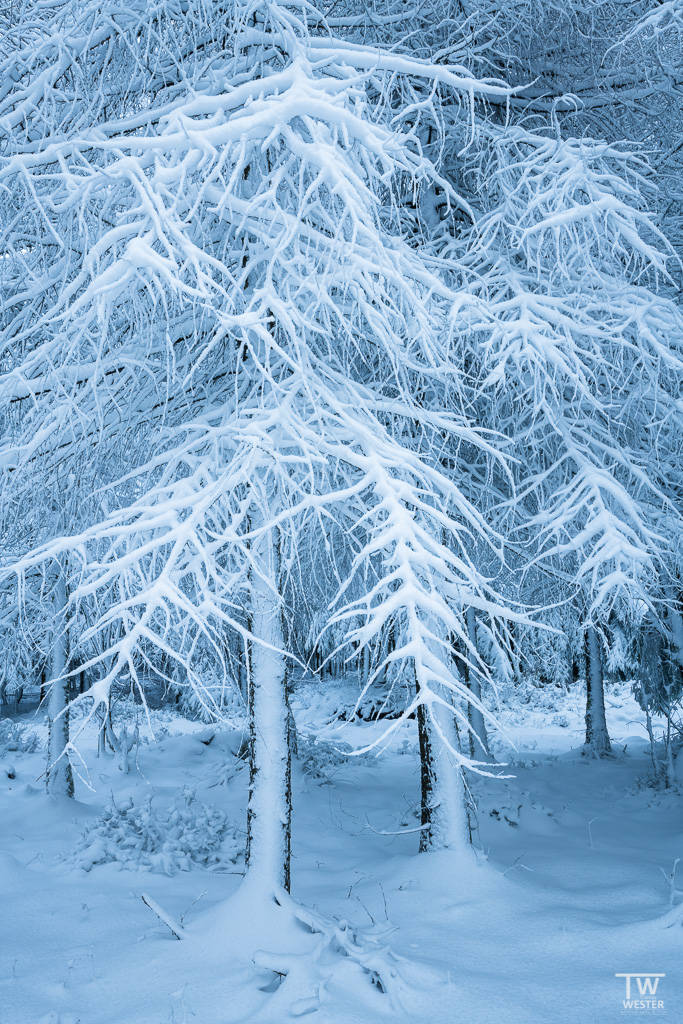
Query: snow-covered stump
[269, 810]
[444, 820]
[597, 737]
[59, 777]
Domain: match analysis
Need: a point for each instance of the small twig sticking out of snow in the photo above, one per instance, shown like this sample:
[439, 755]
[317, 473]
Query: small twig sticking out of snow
[386, 912]
[517, 864]
[176, 929]
[351, 888]
[200, 897]
[590, 834]
[139, 769]
[354, 884]
[670, 880]
[365, 908]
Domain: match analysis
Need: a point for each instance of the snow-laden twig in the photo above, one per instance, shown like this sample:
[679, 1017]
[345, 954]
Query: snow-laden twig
[175, 929]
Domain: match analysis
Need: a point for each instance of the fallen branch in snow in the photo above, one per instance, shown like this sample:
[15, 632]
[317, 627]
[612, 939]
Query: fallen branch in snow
[176, 929]
[400, 832]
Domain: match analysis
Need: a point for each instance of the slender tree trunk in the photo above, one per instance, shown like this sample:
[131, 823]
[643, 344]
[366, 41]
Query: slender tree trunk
[657, 774]
[479, 741]
[125, 747]
[269, 811]
[243, 672]
[16, 697]
[42, 680]
[675, 675]
[676, 620]
[390, 648]
[101, 735]
[110, 735]
[366, 666]
[444, 818]
[59, 777]
[597, 737]
[670, 766]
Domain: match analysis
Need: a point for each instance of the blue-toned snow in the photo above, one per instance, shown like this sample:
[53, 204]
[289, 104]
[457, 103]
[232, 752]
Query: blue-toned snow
[572, 888]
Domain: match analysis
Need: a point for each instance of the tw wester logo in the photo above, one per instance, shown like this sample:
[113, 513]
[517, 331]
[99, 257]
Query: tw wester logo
[641, 993]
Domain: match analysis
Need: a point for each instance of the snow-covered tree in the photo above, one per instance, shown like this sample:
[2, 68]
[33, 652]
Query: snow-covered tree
[212, 282]
[584, 346]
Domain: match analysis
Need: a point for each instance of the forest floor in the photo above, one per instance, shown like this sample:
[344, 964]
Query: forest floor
[572, 888]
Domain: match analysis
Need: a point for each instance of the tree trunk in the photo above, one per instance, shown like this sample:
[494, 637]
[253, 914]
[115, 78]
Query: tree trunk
[243, 659]
[109, 733]
[366, 666]
[479, 741]
[101, 735]
[270, 789]
[42, 680]
[16, 697]
[676, 620]
[59, 777]
[597, 738]
[444, 818]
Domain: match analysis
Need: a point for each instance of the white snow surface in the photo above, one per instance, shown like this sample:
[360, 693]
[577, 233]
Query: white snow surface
[569, 891]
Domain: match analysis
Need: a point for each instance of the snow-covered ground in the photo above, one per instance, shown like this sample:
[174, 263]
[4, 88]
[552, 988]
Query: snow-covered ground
[572, 888]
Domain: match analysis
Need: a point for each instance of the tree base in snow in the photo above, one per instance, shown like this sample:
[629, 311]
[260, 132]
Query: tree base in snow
[300, 955]
[598, 748]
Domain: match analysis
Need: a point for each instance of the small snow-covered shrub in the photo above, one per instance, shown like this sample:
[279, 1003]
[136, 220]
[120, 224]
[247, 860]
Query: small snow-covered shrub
[17, 737]
[407, 749]
[561, 720]
[319, 759]
[187, 833]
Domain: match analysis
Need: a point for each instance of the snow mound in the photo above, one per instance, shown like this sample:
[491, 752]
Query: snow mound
[343, 957]
[187, 834]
